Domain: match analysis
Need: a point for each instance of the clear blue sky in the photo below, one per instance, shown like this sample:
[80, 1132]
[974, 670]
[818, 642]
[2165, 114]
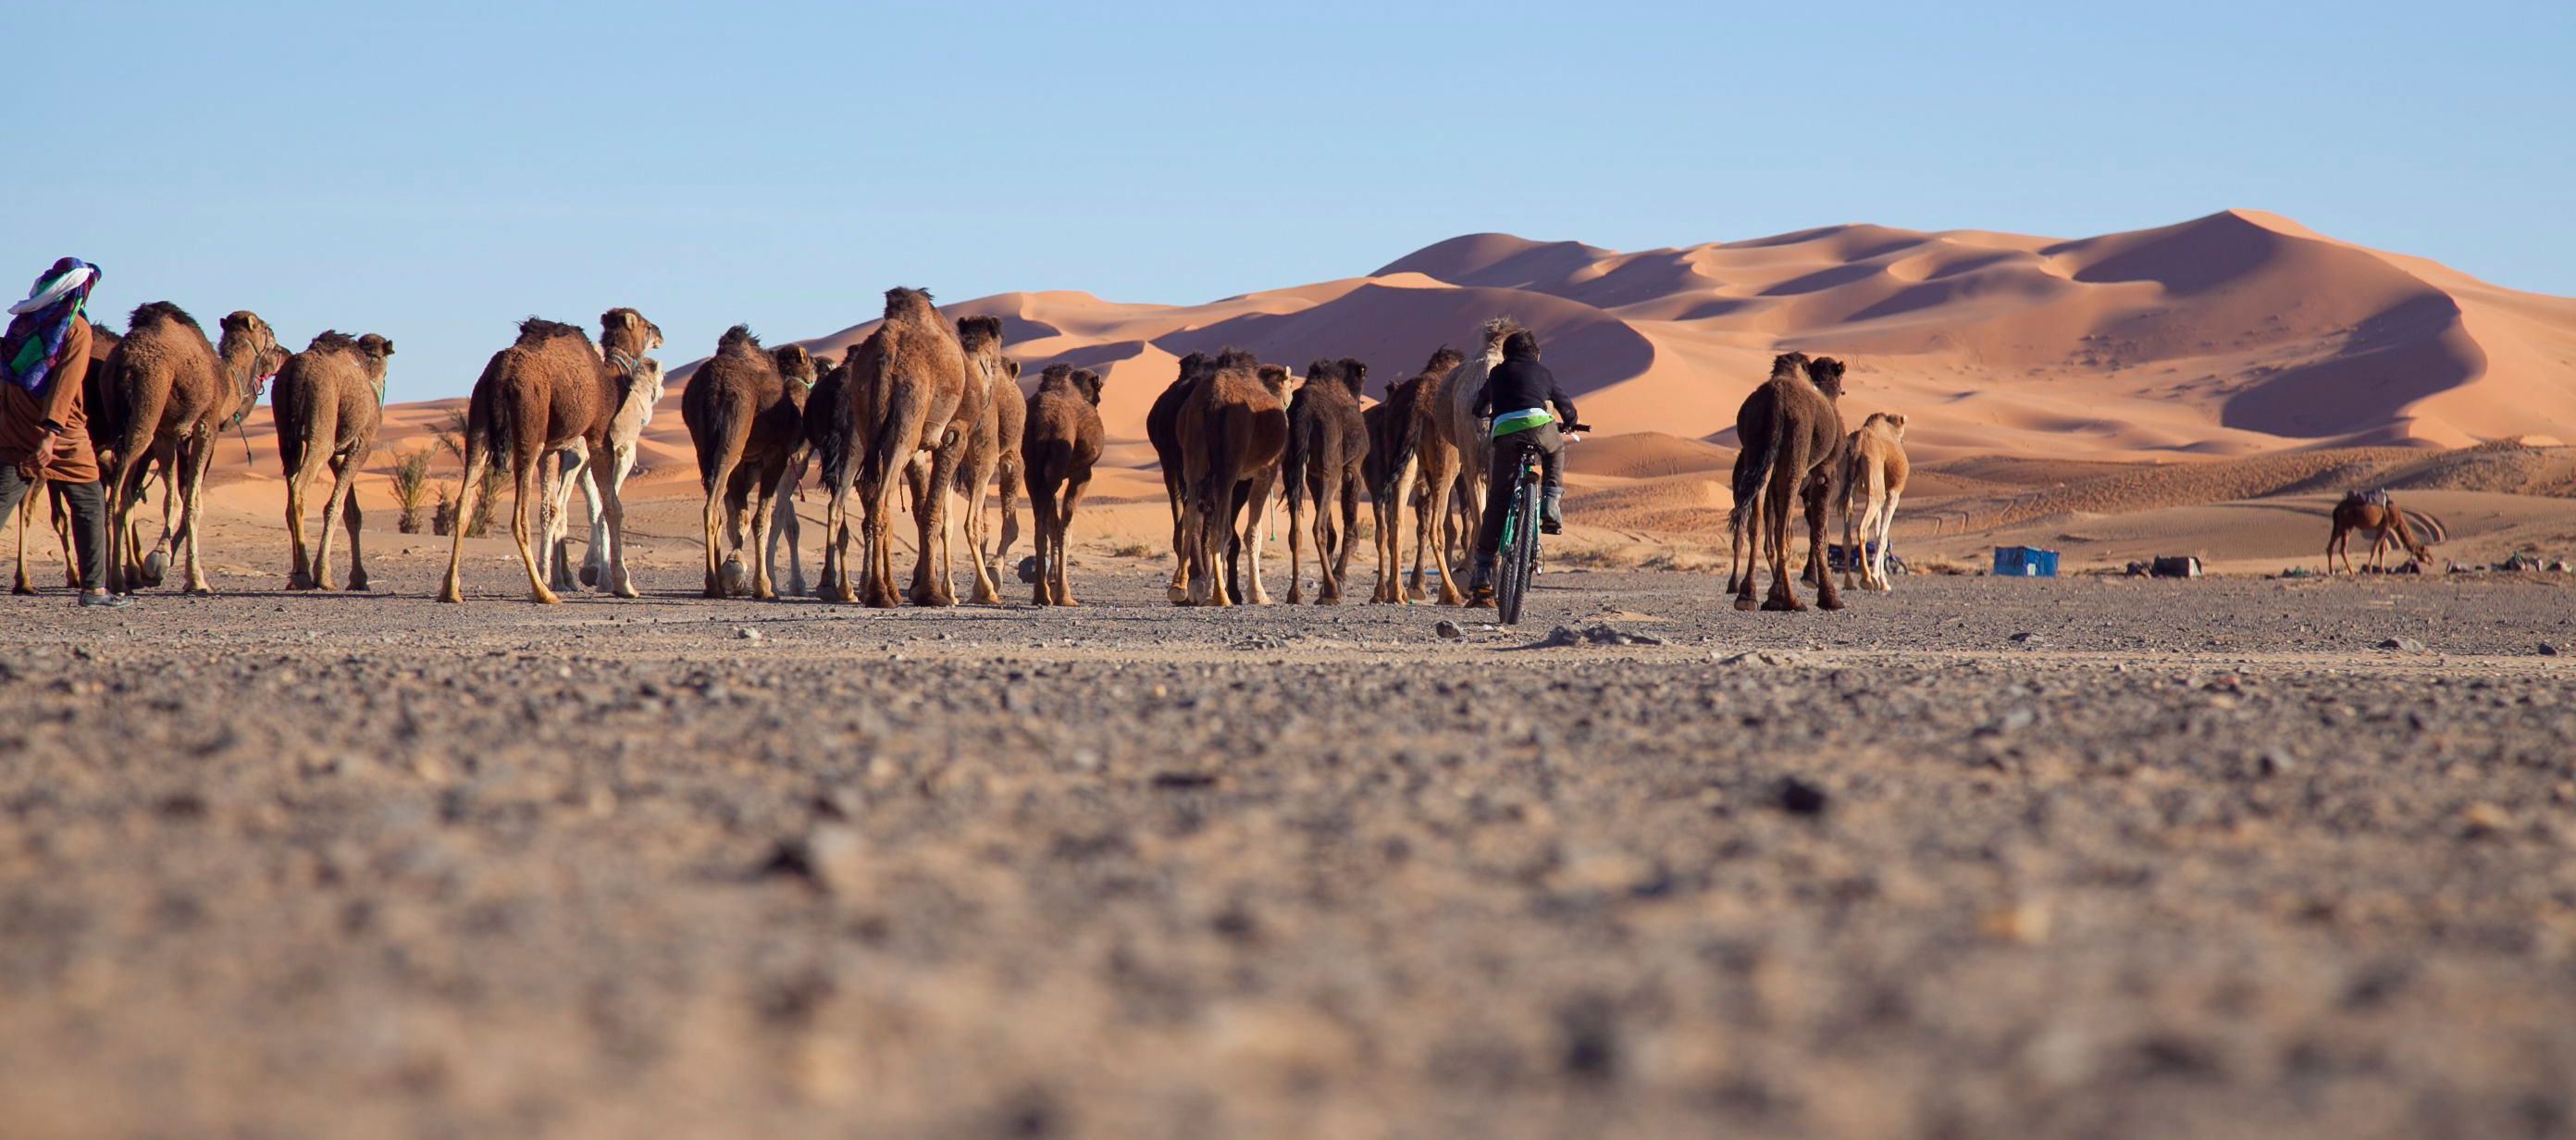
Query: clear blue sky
[435, 172]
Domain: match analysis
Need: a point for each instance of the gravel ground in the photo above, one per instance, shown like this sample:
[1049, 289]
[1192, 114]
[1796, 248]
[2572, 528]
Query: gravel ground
[1981, 858]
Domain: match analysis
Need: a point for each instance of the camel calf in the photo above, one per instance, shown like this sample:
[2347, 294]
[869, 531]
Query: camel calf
[1061, 443]
[1327, 443]
[329, 401]
[745, 412]
[1873, 476]
[1230, 432]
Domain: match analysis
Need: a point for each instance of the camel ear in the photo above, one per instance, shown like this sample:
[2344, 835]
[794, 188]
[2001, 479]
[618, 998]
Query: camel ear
[389, 348]
[1897, 418]
[1011, 368]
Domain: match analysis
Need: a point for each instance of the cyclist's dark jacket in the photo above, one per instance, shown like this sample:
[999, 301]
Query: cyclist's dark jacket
[1519, 382]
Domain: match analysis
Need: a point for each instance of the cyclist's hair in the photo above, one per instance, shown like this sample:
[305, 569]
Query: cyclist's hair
[1519, 342]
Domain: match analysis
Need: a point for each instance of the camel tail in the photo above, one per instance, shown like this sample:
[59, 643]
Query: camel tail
[903, 411]
[1407, 441]
[729, 443]
[1294, 458]
[138, 408]
[1750, 486]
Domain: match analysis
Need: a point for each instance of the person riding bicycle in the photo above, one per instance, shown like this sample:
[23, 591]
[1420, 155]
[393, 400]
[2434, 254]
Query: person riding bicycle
[1516, 395]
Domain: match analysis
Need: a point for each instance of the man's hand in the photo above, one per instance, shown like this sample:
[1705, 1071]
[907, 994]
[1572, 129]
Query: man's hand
[43, 456]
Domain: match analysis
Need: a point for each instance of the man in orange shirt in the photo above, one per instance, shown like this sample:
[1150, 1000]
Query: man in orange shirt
[44, 430]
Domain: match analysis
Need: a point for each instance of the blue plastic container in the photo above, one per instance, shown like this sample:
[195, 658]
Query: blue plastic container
[2025, 562]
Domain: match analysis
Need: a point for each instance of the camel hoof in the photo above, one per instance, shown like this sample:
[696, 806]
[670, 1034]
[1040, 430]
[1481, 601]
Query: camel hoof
[1747, 605]
[1780, 605]
[22, 590]
[156, 566]
[449, 595]
[300, 582]
[201, 591]
[1178, 595]
[359, 585]
[735, 580]
[545, 598]
[1829, 603]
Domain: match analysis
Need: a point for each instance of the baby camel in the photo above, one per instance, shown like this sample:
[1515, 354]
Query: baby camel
[1061, 443]
[1873, 476]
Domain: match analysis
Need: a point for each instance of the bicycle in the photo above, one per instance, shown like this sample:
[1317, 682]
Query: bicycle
[1516, 561]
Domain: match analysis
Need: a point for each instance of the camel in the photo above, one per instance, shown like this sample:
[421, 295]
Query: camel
[1397, 430]
[329, 402]
[1162, 430]
[2378, 513]
[1455, 454]
[1327, 443]
[103, 431]
[784, 527]
[1794, 434]
[745, 408]
[572, 471]
[1229, 432]
[550, 391]
[1873, 475]
[902, 391]
[1062, 442]
[992, 447]
[173, 392]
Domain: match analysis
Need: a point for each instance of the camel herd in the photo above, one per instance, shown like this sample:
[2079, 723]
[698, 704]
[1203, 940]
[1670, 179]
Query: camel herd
[931, 408]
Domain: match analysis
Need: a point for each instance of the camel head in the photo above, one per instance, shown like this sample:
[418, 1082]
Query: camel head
[795, 365]
[1088, 382]
[643, 390]
[1274, 377]
[823, 365]
[1788, 365]
[914, 303]
[1894, 422]
[1444, 360]
[1354, 376]
[1827, 373]
[251, 353]
[626, 331]
[1497, 330]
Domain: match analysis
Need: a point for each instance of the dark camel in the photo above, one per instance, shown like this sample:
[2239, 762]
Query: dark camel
[1162, 430]
[745, 409]
[1327, 443]
[1794, 433]
[903, 391]
[1061, 443]
[329, 403]
[1392, 468]
[552, 391]
[103, 431]
[2382, 517]
[173, 392]
[1230, 432]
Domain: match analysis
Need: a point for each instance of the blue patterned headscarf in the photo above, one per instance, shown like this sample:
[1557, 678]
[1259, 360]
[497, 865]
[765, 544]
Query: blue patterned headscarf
[30, 350]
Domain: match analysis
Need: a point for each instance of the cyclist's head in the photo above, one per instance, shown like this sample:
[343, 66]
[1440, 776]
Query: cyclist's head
[1522, 343]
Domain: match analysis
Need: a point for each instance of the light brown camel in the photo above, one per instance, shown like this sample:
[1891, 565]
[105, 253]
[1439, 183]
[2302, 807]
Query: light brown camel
[1062, 442]
[1231, 431]
[624, 432]
[174, 392]
[1328, 442]
[1794, 433]
[906, 392]
[1397, 431]
[1000, 418]
[745, 409]
[552, 391]
[1455, 451]
[103, 432]
[1873, 477]
[2379, 514]
[329, 402]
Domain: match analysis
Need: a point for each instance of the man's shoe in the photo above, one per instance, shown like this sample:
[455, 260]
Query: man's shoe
[1551, 511]
[105, 601]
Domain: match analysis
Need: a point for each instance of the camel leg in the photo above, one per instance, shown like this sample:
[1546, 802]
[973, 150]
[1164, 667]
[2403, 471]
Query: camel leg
[1878, 558]
[60, 509]
[877, 587]
[835, 581]
[524, 498]
[2378, 545]
[1257, 531]
[594, 561]
[1443, 504]
[452, 588]
[356, 520]
[192, 518]
[1042, 493]
[1071, 498]
[1818, 505]
[783, 526]
[1296, 551]
[1179, 591]
[932, 585]
[979, 535]
[718, 480]
[1345, 529]
[22, 585]
[1775, 538]
[2333, 539]
[332, 503]
[300, 575]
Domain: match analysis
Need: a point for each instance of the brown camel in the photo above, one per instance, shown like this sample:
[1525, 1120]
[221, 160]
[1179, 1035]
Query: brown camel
[1794, 433]
[991, 442]
[550, 391]
[1392, 468]
[103, 431]
[1873, 476]
[1231, 431]
[745, 409]
[1061, 443]
[1328, 442]
[625, 431]
[1744, 526]
[1455, 468]
[174, 391]
[1162, 430]
[2378, 513]
[329, 401]
[904, 391]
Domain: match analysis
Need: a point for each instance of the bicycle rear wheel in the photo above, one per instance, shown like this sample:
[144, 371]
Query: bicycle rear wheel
[1519, 558]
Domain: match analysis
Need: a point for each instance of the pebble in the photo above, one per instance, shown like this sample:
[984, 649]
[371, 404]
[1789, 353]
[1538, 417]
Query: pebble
[746, 633]
[1777, 658]
[1448, 630]
[2403, 645]
[1799, 797]
[2548, 650]
[2026, 637]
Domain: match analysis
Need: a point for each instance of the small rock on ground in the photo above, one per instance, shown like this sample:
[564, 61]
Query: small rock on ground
[1596, 634]
[2403, 645]
[1772, 657]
